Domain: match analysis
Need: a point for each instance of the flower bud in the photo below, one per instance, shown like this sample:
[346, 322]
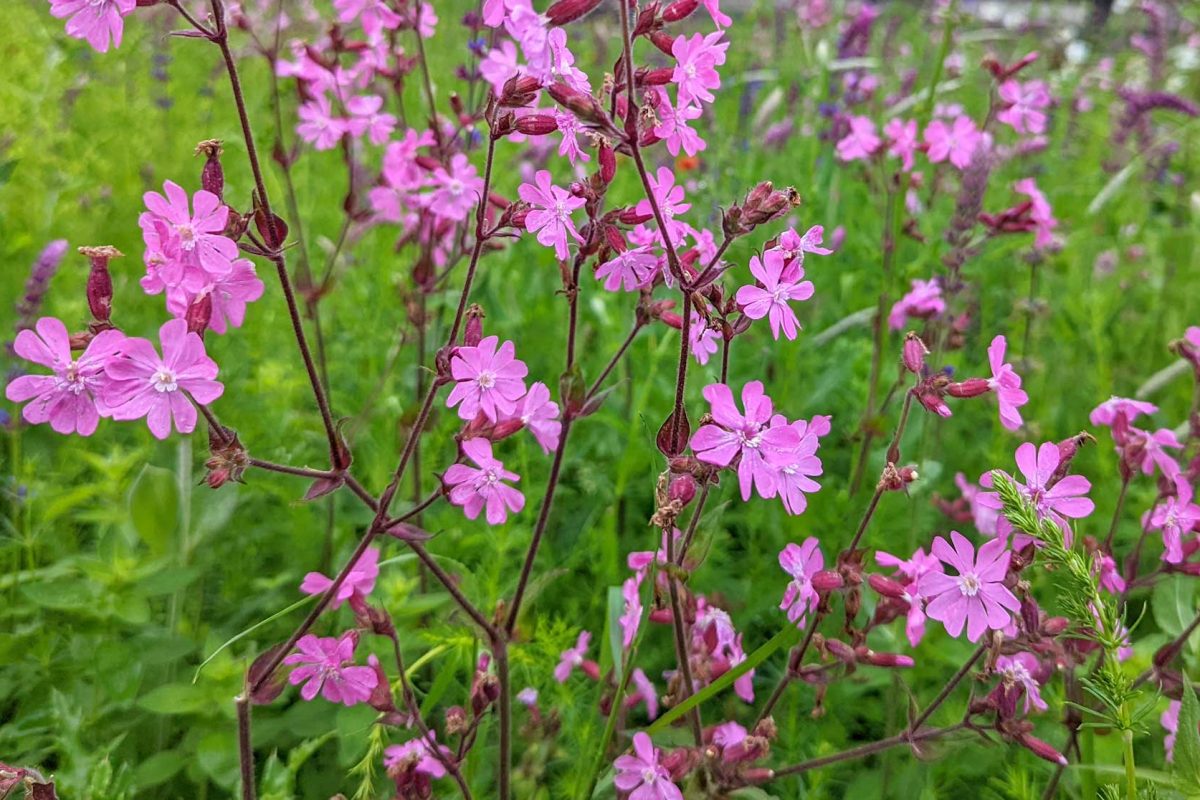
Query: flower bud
[566, 11]
[886, 586]
[473, 330]
[199, 313]
[537, 125]
[971, 387]
[1041, 749]
[913, 354]
[99, 282]
[1055, 626]
[582, 105]
[827, 580]
[663, 41]
[519, 91]
[841, 651]
[212, 175]
[630, 216]
[890, 660]
[680, 9]
[654, 77]
[682, 489]
[608, 163]
[381, 696]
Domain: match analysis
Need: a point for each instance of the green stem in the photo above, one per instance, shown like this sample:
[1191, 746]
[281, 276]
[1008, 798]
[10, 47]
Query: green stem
[1130, 767]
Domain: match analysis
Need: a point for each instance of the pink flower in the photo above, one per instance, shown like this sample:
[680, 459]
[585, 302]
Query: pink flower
[98, 22]
[733, 434]
[359, 583]
[71, 399]
[987, 520]
[1066, 498]
[861, 142]
[796, 467]
[1114, 407]
[631, 619]
[975, 596]
[957, 141]
[1017, 676]
[327, 667]
[629, 269]
[474, 489]
[713, 7]
[793, 246]
[493, 12]
[1006, 383]
[318, 125]
[923, 301]
[1110, 577]
[551, 213]
[669, 197]
[487, 379]
[673, 125]
[1176, 518]
[456, 189]
[374, 15]
[646, 692]
[780, 286]
[912, 570]
[703, 339]
[902, 140]
[1024, 104]
[569, 127]
[367, 116]
[230, 293]
[1152, 452]
[539, 414]
[641, 774]
[189, 240]
[416, 761]
[574, 657]
[802, 562]
[1040, 213]
[141, 384]
[1170, 723]
[500, 64]
[695, 70]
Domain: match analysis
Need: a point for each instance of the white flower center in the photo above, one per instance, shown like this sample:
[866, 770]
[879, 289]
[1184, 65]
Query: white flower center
[164, 381]
[751, 442]
[486, 379]
[187, 235]
[649, 775]
[1016, 673]
[689, 70]
[969, 584]
[455, 186]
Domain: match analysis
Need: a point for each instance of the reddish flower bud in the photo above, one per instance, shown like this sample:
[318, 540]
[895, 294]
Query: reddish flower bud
[566, 11]
[680, 9]
[473, 331]
[663, 41]
[886, 586]
[913, 354]
[630, 216]
[212, 175]
[682, 489]
[1055, 626]
[841, 651]
[827, 580]
[519, 91]
[1041, 749]
[199, 313]
[537, 125]
[381, 697]
[971, 387]
[582, 105]
[608, 163]
[654, 77]
[99, 282]
[889, 660]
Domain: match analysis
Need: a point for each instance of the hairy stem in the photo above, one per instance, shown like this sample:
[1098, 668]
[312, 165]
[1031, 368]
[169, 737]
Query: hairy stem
[245, 748]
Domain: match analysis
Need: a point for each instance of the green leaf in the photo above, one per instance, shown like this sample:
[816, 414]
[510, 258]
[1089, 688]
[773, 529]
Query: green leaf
[154, 507]
[1187, 741]
[785, 638]
[175, 698]
[159, 768]
[1174, 603]
[613, 630]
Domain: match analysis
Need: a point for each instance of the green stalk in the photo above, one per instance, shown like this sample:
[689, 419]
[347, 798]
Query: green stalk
[1130, 766]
